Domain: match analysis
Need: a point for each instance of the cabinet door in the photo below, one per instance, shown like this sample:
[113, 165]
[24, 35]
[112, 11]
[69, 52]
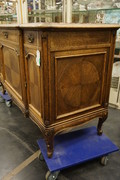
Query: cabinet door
[33, 83]
[79, 81]
[11, 59]
[13, 68]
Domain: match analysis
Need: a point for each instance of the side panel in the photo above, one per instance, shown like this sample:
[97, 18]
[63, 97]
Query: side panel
[78, 73]
[79, 81]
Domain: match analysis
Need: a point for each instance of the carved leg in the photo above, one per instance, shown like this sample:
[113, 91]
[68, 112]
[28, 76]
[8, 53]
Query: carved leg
[100, 123]
[49, 137]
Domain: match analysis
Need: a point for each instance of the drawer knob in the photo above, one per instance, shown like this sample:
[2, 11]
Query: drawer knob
[5, 34]
[30, 38]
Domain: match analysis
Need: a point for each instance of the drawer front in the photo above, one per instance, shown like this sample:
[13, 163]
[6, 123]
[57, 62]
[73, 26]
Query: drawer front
[32, 38]
[11, 35]
[78, 40]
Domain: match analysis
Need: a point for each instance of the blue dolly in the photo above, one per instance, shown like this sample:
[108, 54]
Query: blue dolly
[6, 98]
[74, 148]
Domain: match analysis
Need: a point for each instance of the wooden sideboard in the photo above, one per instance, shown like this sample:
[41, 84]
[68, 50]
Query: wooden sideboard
[71, 85]
[12, 61]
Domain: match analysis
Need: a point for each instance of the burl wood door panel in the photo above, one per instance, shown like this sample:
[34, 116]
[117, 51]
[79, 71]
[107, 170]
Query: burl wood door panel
[12, 72]
[79, 81]
[33, 82]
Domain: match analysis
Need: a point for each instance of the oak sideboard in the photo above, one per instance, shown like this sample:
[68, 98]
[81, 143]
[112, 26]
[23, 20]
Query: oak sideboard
[59, 74]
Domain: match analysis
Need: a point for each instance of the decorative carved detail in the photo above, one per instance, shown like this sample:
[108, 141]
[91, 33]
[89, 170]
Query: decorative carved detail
[49, 136]
[5, 34]
[30, 38]
[100, 123]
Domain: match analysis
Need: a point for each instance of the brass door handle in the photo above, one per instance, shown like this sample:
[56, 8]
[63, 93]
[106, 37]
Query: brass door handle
[27, 56]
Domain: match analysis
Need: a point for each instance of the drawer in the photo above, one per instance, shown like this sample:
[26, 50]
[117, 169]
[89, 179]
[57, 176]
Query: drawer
[11, 35]
[81, 39]
[32, 38]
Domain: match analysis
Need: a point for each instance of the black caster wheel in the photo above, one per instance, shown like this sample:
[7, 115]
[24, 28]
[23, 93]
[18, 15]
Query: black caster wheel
[40, 157]
[52, 175]
[1, 99]
[104, 160]
[8, 103]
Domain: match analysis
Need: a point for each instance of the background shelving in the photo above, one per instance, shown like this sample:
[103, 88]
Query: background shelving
[8, 11]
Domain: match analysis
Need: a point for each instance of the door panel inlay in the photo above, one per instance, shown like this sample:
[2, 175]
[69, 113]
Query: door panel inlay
[79, 82]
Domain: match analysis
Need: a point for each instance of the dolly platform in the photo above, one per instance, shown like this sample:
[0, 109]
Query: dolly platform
[75, 148]
[6, 98]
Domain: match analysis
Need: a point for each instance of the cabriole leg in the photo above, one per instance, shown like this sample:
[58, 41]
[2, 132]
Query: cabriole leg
[100, 123]
[49, 137]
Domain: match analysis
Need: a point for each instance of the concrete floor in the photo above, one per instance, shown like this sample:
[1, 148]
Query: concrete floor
[18, 145]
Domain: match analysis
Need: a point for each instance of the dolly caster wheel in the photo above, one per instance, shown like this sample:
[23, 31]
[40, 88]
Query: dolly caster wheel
[52, 175]
[8, 103]
[40, 157]
[104, 160]
[1, 99]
